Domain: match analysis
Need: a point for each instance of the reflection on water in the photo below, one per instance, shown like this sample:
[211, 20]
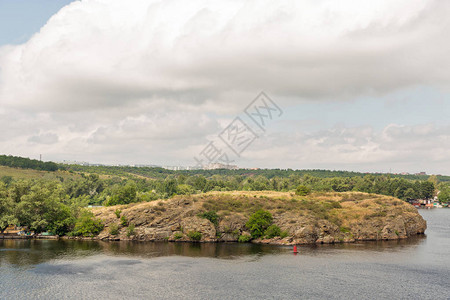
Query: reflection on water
[32, 252]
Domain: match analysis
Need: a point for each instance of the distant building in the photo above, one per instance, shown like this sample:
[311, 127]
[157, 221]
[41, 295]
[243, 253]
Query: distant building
[214, 166]
[177, 168]
[81, 163]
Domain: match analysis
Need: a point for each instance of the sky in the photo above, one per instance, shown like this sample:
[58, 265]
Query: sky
[349, 85]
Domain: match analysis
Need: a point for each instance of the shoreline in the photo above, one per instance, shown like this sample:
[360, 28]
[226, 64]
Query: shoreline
[278, 242]
[275, 242]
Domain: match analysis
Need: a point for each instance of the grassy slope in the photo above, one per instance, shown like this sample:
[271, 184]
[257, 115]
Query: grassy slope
[336, 207]
[33, 174]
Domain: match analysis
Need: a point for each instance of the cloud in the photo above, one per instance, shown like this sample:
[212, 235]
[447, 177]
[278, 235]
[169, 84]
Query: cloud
[46, 138]
[152, 81]
[397, 147]
[98, 54]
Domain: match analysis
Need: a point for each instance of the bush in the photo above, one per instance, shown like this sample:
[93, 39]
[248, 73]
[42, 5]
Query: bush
[375, 215]
[87, 225]
[272, 231]
[118, 212]
[178, 235]
[123, 221]
[259, 222]
[185, 189]
[211, 216]
[302, 190]
[130, 230]
[195, 235]
[114, 229]
[332, 204]
[344, 229]
[244, 238]
[284, 234]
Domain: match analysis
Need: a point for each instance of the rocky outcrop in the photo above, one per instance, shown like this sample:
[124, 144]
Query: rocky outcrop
[319, 218]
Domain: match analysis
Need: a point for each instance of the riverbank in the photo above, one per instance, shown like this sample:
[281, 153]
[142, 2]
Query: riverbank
[314, 219]
[28, 237]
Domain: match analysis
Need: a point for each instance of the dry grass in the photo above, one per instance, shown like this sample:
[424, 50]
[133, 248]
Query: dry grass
[341, 209]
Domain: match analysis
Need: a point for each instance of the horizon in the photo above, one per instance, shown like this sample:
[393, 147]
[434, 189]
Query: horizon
[191, 168]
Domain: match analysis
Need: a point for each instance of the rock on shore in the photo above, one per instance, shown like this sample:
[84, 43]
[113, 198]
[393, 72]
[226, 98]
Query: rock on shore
[317, 218]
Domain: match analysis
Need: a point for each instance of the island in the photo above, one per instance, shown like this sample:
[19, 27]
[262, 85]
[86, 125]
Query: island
[282, 218]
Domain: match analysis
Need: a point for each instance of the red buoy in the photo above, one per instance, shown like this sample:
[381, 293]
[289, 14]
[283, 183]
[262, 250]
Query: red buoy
[295, 249]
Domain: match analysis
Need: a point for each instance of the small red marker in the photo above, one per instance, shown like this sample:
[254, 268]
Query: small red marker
[295, 249]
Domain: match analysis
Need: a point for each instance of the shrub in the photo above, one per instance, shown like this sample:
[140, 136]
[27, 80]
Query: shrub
[185, 189]
[344, 229]
[195, 235]
[114, 229]
[272, 231]
[87, 225]
[123, 221]
[118, 212]
[211, 216]
[178, 235]
[302, 190]
[284, 234]
[258, 223]
[332, 204]
[375, 215]
[245, 238]
[130, 230]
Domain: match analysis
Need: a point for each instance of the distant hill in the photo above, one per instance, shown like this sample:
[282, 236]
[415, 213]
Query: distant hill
[161, 173]
[26, 163]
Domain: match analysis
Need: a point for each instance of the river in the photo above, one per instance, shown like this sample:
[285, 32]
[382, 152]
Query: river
[417, 268]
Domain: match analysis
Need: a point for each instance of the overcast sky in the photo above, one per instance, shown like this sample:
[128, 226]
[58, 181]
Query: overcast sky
[363, 85]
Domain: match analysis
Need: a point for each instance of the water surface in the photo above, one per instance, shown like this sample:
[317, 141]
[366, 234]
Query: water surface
[416, 268]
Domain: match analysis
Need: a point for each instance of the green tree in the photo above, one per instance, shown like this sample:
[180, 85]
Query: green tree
[427, 189]
[7, 205]
[259, 222]
[123, 194]
[199, 182]
[184, 189]
[302, 190]
[87, 225]
[43, 209]
[444, 195]
[410, 194]
[170, 186]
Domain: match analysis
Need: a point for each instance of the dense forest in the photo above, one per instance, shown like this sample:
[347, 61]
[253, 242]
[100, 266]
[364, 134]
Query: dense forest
[157, 172]
[57, 205]
[26, 163]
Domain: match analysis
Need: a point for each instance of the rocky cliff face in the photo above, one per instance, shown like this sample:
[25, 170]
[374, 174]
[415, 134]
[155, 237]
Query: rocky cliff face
[318, 218]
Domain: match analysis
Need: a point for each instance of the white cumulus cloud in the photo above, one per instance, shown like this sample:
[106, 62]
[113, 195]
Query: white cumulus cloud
[150, 81]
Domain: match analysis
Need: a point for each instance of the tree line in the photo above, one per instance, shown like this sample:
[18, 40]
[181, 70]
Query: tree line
[26, 163]
[57, 205]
